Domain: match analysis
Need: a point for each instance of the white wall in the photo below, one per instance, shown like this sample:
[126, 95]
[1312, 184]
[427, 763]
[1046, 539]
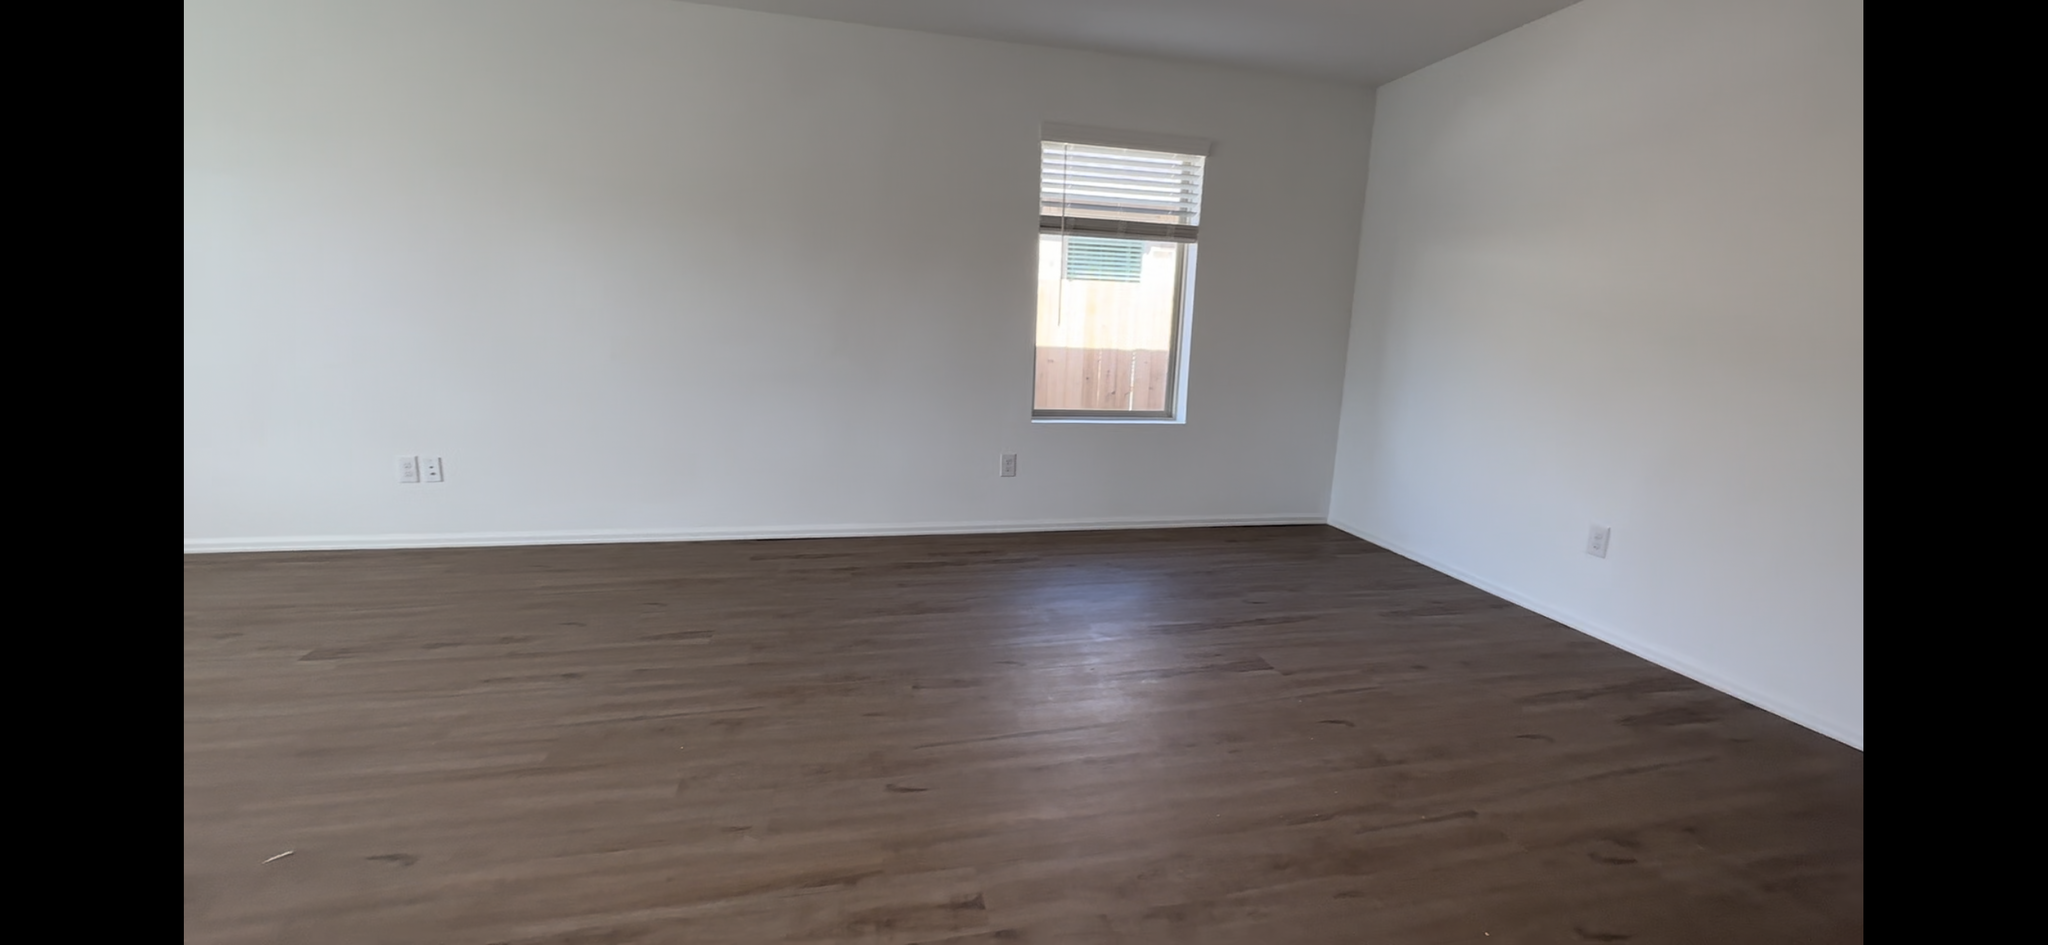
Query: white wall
[1611, 271]
[643, 268]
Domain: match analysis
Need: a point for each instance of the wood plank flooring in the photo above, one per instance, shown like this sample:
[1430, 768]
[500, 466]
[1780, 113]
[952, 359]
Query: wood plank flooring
[1244, 735]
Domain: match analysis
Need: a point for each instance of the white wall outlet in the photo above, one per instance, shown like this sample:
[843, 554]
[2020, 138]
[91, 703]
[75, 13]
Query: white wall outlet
[1009, 464]
[431, 469]
[408, 469]
[1596, 541]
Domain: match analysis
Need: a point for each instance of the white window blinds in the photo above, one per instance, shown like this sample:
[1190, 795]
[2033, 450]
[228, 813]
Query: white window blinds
[1096, 190]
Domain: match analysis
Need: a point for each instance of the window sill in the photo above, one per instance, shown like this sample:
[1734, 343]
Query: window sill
[1147, 421]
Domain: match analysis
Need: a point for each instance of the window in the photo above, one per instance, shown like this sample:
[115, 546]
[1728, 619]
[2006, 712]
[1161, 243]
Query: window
[1119, 215]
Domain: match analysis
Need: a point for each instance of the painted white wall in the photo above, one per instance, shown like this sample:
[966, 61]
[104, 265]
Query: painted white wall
[1611, 271]
[645, 268]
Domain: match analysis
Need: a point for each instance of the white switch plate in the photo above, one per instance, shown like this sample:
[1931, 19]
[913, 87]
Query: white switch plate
[431, 469]
[408, 469]
[1596, 540]
[1009, 464]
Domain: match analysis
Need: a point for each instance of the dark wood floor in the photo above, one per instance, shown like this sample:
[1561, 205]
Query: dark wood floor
[1257, 735]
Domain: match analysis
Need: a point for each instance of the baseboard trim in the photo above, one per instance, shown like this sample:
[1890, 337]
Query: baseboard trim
[629, 536]
[1672, 661]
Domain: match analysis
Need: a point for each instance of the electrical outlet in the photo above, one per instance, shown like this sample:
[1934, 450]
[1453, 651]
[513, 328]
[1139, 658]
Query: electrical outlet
[1009, 464]
[1596, 541]
[431, 469]
[408, 469]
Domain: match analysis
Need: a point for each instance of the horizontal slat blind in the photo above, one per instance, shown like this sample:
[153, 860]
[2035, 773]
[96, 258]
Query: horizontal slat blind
[1099, 260]
[1104, 191]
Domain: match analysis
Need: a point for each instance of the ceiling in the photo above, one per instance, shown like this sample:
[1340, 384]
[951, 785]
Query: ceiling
[1360, 41]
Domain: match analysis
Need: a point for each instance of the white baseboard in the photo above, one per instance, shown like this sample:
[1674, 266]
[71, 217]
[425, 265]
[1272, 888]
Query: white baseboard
[604, 536]
[1655, 654]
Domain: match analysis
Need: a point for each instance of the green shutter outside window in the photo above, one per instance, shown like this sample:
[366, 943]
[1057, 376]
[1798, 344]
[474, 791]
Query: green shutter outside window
[1102, 260]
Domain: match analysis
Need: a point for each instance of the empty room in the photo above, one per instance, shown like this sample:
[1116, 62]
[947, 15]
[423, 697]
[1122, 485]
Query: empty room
[1277, 472]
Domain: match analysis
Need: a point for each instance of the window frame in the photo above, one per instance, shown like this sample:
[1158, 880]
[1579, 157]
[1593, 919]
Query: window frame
[1183, 272]
[1185, 258]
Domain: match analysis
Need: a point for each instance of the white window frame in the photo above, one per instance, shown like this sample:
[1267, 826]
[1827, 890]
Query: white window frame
[1177, 344]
